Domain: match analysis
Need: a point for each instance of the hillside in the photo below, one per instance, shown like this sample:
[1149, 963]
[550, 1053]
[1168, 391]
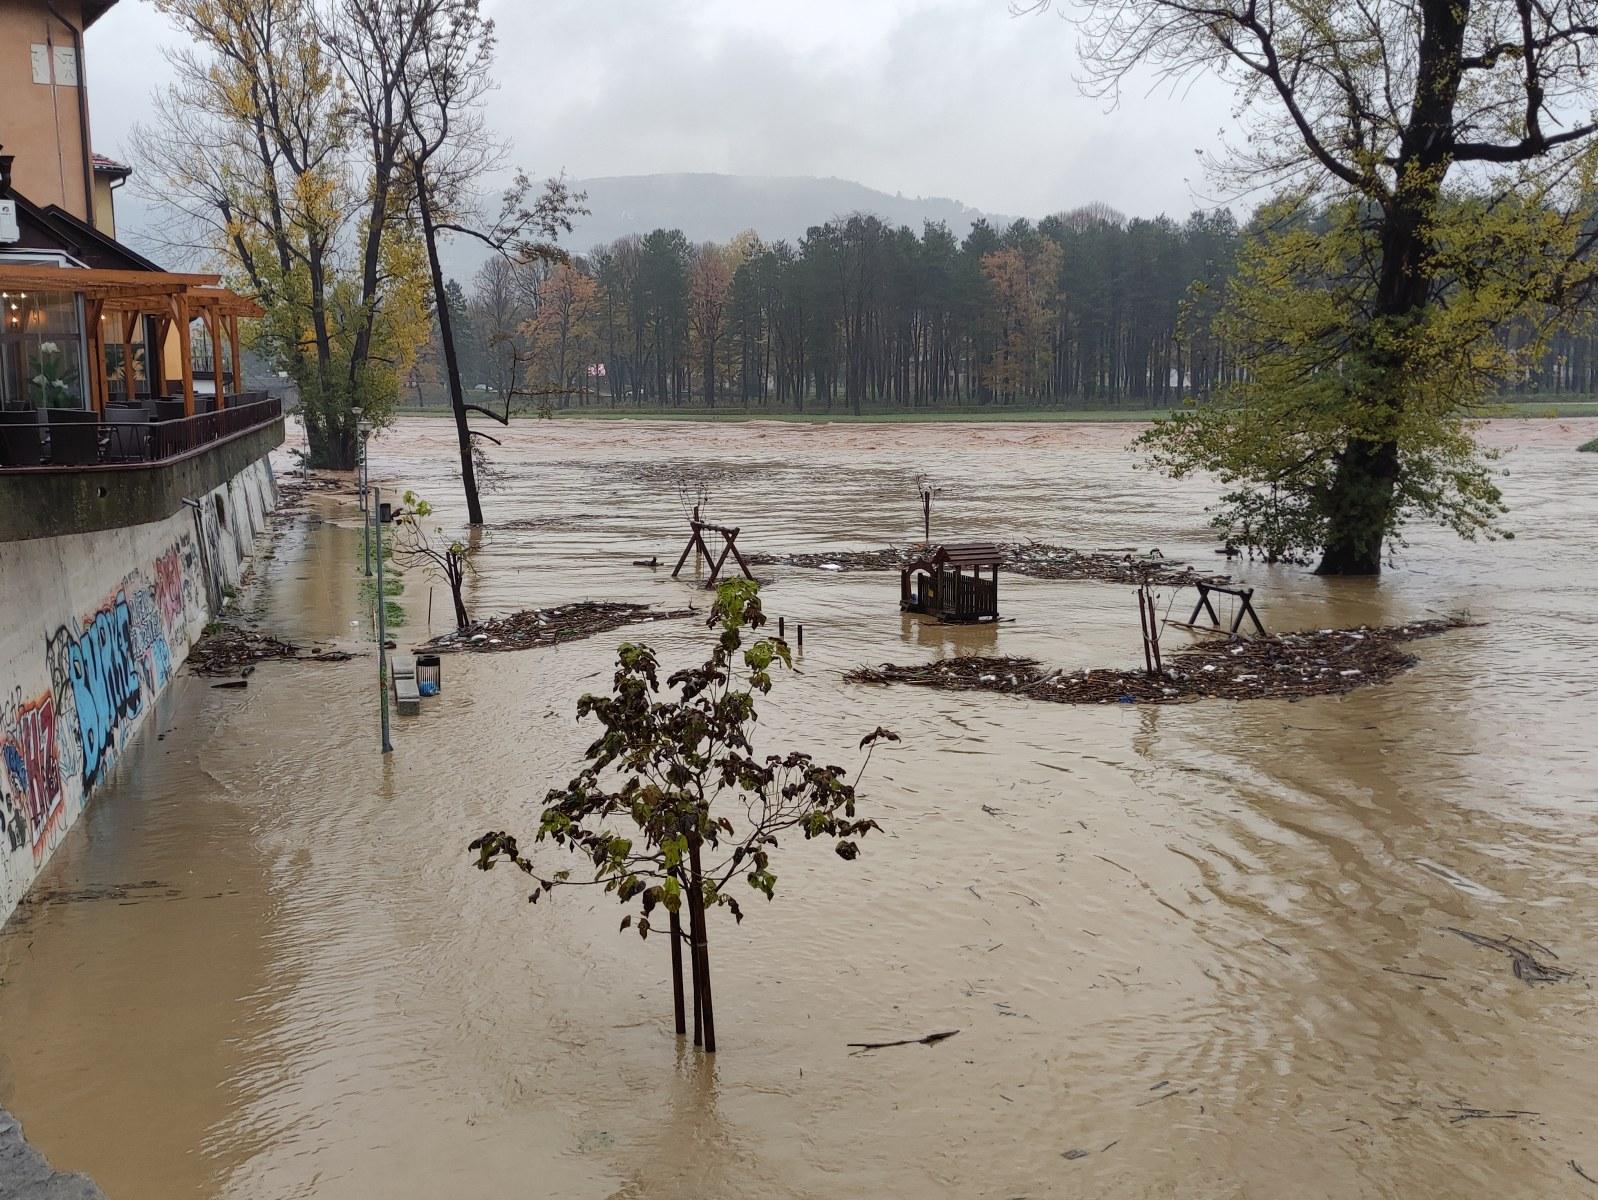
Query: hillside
[715, 207]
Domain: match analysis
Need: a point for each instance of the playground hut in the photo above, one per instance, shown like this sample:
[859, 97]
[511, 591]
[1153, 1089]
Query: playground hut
[948, 582]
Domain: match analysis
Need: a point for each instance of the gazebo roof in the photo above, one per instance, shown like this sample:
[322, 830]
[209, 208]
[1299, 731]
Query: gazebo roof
[957, 554]
[128, 291]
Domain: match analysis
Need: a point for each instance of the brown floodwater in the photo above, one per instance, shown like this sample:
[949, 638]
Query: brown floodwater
[1200, 950]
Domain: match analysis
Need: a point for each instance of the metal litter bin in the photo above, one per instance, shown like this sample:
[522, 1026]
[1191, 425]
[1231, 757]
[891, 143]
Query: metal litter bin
[429, 674]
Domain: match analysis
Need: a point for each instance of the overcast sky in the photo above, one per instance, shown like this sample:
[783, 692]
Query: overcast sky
[953, 98]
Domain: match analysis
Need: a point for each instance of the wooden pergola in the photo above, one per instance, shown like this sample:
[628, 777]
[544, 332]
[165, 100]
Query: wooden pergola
[173, 299]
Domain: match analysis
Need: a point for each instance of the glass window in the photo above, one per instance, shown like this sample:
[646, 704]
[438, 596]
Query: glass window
[41, 351]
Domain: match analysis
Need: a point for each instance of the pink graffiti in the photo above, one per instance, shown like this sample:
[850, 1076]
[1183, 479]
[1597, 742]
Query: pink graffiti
[35, 768]
[169, 588]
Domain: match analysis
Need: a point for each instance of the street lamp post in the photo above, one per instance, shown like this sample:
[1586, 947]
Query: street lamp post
[363, 430]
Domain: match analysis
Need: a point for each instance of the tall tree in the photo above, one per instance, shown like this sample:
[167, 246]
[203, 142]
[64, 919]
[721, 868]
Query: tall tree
[446, 151]
[255, 155]
[1380, 104]
[709, 281]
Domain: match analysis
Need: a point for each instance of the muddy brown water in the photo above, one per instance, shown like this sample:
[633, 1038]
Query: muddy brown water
[1197, 951]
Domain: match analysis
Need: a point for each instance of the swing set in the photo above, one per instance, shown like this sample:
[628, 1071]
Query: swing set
[696, 539]
[1151, 623]
[1243, 606]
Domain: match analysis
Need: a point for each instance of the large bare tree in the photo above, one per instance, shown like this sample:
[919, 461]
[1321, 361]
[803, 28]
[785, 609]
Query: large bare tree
[1389, 104]
[447, 152]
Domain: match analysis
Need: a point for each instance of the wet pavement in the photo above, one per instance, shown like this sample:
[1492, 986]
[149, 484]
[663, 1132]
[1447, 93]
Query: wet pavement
[1202, 950]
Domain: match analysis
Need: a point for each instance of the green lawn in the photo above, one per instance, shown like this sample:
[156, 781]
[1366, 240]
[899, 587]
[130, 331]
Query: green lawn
[1575, 406]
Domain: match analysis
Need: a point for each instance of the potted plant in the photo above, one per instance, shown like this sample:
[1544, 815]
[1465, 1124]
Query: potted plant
[53, 378]
[116, 359]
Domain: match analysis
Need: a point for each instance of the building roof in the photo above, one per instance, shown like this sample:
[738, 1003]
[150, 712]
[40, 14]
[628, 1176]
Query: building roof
[957, 554]
[110, 166]
[129, 291]
[93, 10]
[53, 228]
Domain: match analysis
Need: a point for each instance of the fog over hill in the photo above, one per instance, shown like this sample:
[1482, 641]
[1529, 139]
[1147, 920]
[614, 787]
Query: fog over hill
[712, 208]
[707, 208]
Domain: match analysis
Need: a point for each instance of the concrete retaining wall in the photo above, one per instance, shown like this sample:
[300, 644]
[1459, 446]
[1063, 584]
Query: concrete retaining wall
[50, 501]
[92, 626]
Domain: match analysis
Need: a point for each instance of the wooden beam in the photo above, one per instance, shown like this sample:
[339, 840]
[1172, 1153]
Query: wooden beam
[216, 360]
[94, 349]
[130, 322]
[180, 317]
[79, 279]
[233, 343]
[157, 354]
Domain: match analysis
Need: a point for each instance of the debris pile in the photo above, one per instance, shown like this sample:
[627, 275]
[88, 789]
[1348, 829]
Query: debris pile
[549, 626]
[1037, 559]
[1282, 666]
[224, 649]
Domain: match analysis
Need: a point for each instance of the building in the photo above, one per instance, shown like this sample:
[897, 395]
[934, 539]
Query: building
[86, 322]
[134, 469]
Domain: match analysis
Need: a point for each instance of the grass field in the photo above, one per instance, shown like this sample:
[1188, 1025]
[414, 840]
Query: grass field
[1573, 405]
[1576, 406]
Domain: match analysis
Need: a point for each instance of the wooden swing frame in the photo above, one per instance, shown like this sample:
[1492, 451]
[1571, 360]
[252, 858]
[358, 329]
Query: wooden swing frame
[697, 539]
[1245, 608]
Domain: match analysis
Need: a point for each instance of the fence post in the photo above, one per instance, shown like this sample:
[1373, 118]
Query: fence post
[382, 627]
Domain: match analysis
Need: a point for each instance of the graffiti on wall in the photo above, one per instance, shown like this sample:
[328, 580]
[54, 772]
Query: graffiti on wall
[105, 669]
[32, 801]
[102, 668]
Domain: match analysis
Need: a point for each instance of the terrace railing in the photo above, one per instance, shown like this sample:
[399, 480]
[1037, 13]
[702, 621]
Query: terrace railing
[59, 438]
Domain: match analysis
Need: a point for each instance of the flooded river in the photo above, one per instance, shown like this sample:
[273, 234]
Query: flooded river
[1202, 950]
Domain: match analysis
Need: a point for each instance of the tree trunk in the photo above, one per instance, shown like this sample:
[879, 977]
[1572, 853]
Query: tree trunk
[705, 1009]
[446, 337]
[676, 975]
[1360, 503]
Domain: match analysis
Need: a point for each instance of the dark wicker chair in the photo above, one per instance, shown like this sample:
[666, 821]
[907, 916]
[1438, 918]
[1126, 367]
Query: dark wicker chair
[74, 437]
[20, 443]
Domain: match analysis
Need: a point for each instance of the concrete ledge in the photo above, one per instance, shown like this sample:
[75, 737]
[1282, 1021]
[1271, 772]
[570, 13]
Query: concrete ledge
[25, 1175]
[50, 503]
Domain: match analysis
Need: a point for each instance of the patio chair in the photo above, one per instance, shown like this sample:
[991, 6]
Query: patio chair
[20, 443]
[128, 427]
[74, 437]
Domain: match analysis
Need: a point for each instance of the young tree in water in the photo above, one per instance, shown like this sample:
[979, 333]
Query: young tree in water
[674, 768]
[1372, 106]
[446, 558]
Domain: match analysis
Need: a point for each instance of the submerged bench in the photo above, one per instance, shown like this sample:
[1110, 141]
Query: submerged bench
[402, 670]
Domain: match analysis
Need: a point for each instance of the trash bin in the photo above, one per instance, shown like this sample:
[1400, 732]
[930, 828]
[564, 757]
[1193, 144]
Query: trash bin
[429, 674]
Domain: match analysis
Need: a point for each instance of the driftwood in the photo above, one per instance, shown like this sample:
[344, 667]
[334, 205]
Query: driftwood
[547, 626]
[1038, 560]
[1466, 1112]
[1280, 666]
[224, 649]
[932, 1039]
[1526, 966]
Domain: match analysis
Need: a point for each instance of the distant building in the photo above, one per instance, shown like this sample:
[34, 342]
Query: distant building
[80, 313]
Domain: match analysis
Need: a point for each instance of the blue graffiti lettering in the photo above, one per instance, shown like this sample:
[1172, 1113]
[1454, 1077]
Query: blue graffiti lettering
[105, 682]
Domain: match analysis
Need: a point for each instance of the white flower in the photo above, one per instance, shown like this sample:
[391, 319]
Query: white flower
[49, 348]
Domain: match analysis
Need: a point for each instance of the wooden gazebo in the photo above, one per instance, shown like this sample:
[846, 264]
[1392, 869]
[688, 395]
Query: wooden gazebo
[948, 582]
[118, 301]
